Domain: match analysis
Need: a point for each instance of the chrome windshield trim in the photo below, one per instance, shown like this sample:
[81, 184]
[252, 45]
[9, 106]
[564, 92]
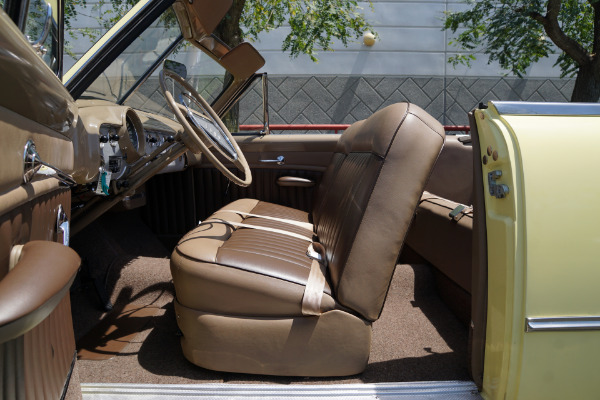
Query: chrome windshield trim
[561, 324]
[527, 108]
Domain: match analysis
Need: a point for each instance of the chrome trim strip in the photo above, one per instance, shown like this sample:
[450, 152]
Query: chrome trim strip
[446, 390]
[265, 87]
[561, 324]
[527, 108]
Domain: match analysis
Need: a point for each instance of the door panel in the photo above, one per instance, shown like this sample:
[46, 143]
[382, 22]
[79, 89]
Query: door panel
[303, 156]
[213, 191]
[37, 345]
[49, 352]
[176, 202]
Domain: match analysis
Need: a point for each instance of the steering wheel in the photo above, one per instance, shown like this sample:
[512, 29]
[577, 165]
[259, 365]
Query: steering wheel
[202, 127]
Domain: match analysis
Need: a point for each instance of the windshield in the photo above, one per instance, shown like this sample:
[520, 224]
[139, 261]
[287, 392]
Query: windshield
[131, 65]
[86, 22]
[205, 75]
[132, 78]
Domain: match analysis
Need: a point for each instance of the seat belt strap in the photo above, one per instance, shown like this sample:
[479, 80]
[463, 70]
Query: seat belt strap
[260, 228]
[313, 291]
[456, 214]
[304, 225]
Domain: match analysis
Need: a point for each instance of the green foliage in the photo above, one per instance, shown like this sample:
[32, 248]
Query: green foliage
[105, 13]
[36, 19]
[508, 33]
[314, 24]
[577, 23]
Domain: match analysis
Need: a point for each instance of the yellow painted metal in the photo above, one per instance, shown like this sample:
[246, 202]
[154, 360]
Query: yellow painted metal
[111, 32]
[505, 225]
[543, 248]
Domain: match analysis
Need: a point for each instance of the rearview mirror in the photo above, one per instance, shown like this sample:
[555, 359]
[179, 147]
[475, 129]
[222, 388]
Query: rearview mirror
[176, 67]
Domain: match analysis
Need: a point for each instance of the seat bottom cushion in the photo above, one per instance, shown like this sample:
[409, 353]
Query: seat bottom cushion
[335, 343]
[232, 270]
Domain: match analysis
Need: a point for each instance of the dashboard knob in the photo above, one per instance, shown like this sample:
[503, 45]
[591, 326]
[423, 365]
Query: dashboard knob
[152, 139]
[170, 138]
[103, 139]
[114, 137]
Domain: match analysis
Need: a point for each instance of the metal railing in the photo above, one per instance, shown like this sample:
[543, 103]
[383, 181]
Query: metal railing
[336, 128]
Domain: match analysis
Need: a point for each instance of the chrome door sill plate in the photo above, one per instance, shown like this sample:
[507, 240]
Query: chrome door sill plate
[447, 390]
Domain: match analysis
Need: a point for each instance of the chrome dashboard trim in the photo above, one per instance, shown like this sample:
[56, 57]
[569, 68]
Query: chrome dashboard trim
[530, 108]
[562, 324]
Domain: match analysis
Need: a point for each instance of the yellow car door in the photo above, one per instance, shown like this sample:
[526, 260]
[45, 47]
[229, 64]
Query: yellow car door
[538, 163]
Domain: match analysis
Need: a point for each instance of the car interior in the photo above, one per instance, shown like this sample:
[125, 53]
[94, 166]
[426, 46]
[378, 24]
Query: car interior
[198, 255]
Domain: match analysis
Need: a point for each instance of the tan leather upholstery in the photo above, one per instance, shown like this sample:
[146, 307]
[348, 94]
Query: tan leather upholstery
[336, 343]
[444, 242]
[239, 290]
[36, 364]
[452, 175]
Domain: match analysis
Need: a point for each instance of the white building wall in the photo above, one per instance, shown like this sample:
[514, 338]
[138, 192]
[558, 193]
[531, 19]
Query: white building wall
[411, 42]
[407, 63]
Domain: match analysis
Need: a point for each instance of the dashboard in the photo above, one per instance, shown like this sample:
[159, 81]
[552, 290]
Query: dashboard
[121, 142]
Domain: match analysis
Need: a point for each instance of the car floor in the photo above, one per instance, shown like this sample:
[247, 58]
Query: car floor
[417, 338]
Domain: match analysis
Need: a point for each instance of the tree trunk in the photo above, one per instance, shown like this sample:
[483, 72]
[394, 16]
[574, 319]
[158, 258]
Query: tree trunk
[587, 85]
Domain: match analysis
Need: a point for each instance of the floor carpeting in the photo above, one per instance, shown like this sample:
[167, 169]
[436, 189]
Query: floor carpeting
[416, 339]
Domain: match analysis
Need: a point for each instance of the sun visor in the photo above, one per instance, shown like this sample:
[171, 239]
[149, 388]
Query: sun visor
[199, 18]
[242, 61]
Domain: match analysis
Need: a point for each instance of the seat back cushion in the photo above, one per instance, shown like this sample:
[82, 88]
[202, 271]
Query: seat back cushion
[368, 197]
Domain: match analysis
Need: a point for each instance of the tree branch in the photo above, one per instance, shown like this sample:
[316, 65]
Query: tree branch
[567, 44]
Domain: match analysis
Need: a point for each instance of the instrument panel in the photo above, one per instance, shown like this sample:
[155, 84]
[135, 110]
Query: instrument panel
[126, 140]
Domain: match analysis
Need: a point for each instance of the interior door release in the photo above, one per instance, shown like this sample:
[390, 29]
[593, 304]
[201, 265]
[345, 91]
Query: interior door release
[280, 160]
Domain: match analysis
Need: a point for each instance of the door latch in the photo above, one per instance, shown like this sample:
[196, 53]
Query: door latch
[498, 190]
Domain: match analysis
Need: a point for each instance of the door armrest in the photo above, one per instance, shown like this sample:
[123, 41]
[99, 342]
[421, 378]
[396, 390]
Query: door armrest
[40, 279]
[294, 181]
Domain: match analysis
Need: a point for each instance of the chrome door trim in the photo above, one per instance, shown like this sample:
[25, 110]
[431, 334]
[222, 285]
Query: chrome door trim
[562, 324]
[62, 226]
[530, 108]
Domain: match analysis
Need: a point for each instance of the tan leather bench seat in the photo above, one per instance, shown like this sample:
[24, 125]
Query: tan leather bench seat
[263, 273]
[241, 279]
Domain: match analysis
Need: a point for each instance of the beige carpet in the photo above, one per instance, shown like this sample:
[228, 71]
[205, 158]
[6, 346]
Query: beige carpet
[416, 339]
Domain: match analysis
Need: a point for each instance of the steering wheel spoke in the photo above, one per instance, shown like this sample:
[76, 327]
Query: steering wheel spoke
[204, 132]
